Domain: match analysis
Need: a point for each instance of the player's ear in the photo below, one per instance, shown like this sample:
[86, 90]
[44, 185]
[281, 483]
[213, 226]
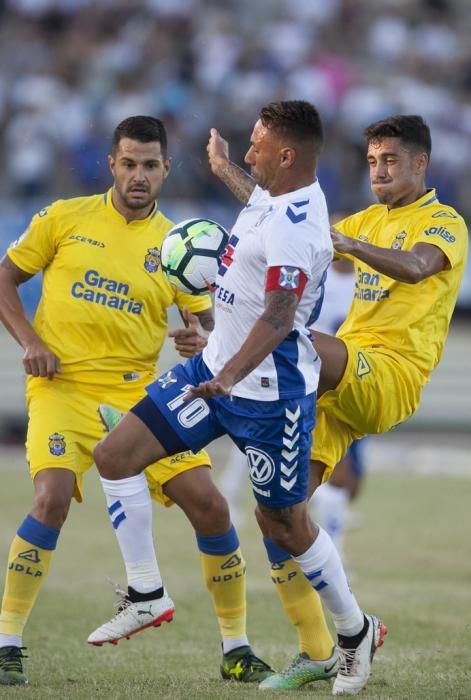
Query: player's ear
[167, 167]
[287, 157]
[111, 163]
[422, 162]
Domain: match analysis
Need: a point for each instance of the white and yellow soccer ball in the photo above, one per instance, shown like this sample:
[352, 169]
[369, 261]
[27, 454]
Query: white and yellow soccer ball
[191, 252]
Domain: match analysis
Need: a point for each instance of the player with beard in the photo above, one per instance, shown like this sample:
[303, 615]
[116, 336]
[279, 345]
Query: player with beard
[98, 331]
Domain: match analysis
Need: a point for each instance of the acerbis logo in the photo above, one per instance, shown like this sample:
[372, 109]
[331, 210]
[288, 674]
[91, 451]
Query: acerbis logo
[30, 555]
[230, 563]
[261, 467]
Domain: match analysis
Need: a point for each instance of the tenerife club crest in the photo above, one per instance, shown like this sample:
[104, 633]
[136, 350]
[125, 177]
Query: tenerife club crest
[152, 260]
[56, 444]
[167, 379]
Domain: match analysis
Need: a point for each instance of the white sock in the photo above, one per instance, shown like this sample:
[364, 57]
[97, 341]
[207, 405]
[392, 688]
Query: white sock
[130, 511]
[331, 506]
[322, 565]
[10, 640]
[230, 643]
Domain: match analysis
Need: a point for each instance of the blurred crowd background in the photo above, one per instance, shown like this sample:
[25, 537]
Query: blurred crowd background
[72, 69]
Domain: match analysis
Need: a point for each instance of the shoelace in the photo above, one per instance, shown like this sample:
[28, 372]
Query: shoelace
[257, 664]
[287, 671]
[348, 661]
[12, 661]
[123, 601]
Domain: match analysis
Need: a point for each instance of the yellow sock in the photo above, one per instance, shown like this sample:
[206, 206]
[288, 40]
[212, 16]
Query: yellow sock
[304, 609]
[225, 579]
[28, 565]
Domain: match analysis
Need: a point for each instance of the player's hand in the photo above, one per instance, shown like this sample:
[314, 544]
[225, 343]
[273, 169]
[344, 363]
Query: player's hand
[191, 340]
[218, 151]
[218, 386]
[39, 361]
[341, 243]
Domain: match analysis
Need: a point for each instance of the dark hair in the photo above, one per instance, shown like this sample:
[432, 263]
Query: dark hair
[143, 129]
[410, 128]
[296, 119]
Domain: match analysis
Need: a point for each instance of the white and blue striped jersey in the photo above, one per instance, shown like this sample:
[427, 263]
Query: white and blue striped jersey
[292, 232]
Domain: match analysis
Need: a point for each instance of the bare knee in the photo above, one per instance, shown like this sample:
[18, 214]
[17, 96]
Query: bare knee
[203, 504]
[209, 514]
[50, 507]
[107, 459]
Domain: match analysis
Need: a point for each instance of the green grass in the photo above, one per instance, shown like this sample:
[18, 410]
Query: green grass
[410, 561]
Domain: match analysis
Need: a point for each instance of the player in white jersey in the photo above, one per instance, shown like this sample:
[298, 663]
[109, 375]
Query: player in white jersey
[260, 390]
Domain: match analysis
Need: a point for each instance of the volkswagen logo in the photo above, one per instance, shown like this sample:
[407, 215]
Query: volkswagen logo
[261, 467]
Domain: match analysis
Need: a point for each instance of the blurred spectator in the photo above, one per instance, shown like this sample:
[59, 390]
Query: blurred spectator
[72, 67]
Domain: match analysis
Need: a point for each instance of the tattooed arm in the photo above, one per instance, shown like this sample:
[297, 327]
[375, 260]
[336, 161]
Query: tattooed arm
[38, 360]
[268, 331]
[240, 183]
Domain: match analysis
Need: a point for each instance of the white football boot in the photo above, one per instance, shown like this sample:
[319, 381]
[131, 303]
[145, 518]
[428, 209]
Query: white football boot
[132, 618]
[355, 664]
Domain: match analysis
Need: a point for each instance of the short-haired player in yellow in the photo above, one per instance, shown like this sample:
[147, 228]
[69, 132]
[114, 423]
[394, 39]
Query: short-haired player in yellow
[98, 331]
[409, 253]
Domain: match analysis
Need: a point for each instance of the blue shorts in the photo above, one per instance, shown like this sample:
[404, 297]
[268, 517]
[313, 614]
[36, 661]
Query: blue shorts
[275, 435]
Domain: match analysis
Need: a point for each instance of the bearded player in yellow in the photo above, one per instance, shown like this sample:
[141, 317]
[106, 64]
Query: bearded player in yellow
[98, 331]
[409, 253]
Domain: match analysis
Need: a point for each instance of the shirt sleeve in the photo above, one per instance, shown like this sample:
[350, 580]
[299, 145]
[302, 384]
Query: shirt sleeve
[450, 235]
[194, 302]
[36, 247]
[296, 244]
[351, 226]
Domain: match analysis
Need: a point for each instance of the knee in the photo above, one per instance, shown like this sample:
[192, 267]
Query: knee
[105, 459]
[50, 507]
[209, 514]
[277, 531]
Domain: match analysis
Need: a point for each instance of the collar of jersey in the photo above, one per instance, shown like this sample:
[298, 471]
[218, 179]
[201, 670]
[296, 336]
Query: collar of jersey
[294, 193]
[137, 222]
[429, 197]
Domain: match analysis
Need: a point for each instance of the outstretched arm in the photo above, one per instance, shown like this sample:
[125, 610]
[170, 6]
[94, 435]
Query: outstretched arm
[268, 331]
[412, 266]
[240, 183]
[38, 360]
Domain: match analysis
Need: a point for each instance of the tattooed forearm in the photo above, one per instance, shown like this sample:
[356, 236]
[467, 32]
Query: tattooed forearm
[280, 307]
[240, 183]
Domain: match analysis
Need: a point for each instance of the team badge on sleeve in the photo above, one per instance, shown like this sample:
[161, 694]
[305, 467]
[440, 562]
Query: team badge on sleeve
[152, 260]
[285, 277]
[289, 277]
[56, 444]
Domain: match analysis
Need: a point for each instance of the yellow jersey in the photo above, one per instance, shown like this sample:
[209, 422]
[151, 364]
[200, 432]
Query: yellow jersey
[409, 320]
[104, 300]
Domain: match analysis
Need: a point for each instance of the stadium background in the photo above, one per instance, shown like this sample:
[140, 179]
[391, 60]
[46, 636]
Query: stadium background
[70, 70]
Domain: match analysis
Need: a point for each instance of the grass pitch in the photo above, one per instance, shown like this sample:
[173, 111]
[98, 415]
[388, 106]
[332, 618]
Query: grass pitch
[410, 563]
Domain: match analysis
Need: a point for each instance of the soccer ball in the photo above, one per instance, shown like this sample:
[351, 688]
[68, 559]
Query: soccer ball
[191, 252]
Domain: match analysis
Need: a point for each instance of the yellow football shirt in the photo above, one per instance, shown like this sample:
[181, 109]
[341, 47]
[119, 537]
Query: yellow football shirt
[104, 298]
[411, 320]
